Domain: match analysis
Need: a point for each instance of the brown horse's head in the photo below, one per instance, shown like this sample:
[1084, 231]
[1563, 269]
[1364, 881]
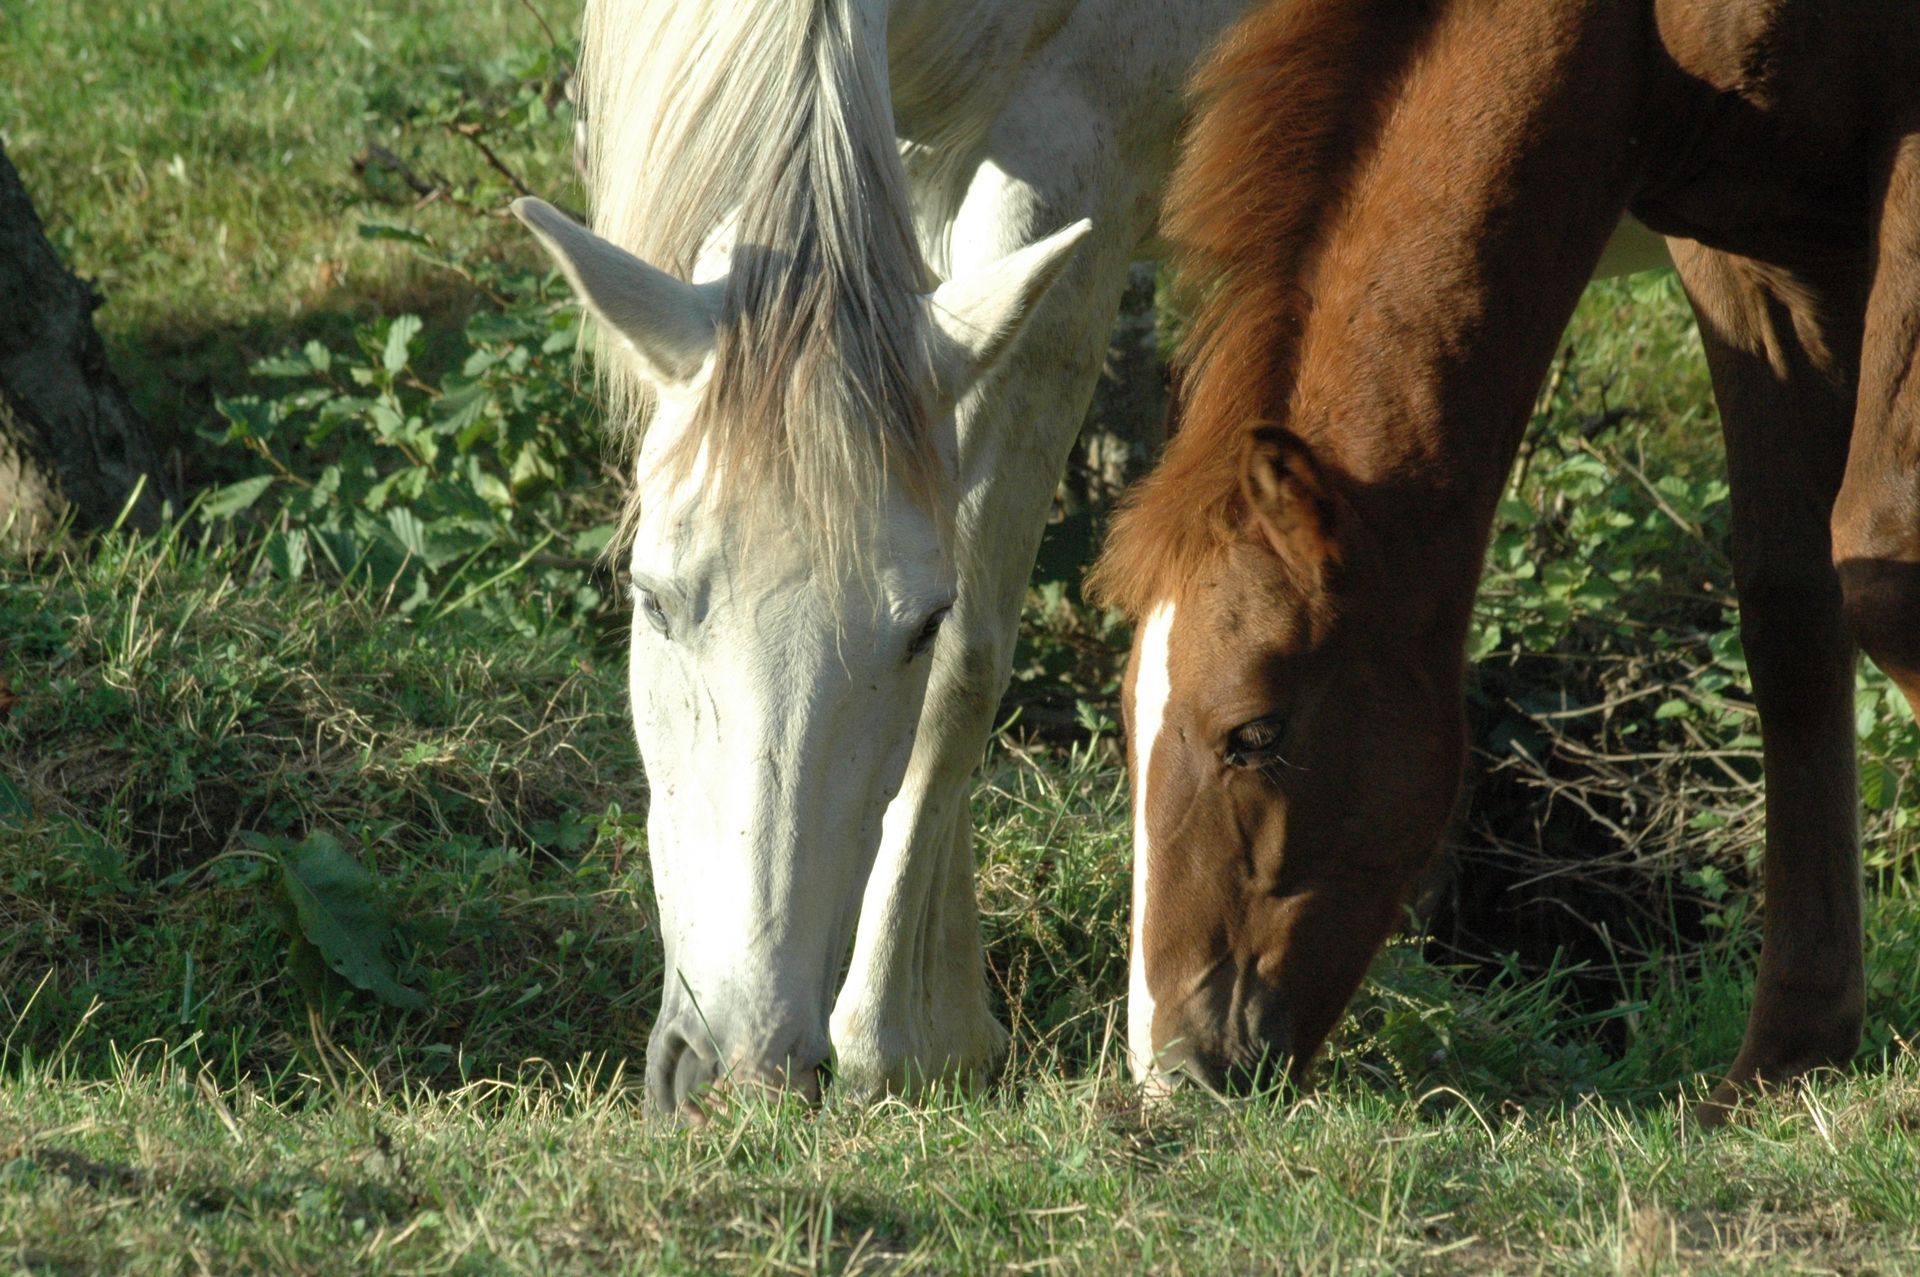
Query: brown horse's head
[1294, 749]
[1344, 226]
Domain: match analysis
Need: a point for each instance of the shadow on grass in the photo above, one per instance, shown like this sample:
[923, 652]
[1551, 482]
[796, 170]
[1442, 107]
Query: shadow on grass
[176, 370]
[170, 701]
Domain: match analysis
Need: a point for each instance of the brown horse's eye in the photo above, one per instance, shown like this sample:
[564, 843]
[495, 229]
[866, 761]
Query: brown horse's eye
[1256, 743]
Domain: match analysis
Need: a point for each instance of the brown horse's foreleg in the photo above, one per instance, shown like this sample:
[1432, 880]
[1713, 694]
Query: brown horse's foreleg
[1784, 387]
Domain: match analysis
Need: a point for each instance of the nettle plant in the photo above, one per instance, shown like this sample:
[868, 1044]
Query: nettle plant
[436, 490]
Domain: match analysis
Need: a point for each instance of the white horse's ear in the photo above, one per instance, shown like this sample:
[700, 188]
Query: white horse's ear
[668, 324]
[975, 318]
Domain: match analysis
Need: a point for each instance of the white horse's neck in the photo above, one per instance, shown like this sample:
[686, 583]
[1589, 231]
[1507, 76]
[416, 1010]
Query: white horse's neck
[952, 65]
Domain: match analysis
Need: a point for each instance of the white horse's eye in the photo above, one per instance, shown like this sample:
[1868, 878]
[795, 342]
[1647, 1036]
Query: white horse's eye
[928, 632]
[649, 604]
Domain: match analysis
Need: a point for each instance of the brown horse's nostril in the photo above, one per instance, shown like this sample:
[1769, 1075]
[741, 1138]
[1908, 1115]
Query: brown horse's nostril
[1252, 1061]
[1185, 1062]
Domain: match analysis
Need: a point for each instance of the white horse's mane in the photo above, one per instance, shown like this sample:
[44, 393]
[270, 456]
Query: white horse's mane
[773, 113]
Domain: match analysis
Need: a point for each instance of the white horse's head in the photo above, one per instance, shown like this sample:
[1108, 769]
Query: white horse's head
[777, 676]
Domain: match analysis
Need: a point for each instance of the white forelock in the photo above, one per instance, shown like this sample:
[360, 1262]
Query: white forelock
[771, 119]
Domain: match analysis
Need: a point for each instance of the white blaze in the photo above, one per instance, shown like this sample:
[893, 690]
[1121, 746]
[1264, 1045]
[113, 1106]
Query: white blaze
[1152, 684]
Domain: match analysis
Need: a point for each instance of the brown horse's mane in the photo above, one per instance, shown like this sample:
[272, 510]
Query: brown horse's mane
[1288, 107]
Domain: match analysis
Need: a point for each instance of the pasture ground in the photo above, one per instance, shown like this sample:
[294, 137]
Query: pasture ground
[144, 1171]
[182, 1091]
[167, 1103]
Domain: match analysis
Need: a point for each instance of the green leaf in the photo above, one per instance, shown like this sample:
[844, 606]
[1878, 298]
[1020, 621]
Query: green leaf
[386, 230]
[564, 338]
[1648, 288]
[460, 407]
[224, 503]
[388, 422]
[408, 531]
[324, 489]
[337, 906]
[1515, 510]
[1482, 642]
[283, 366]
[375, 497]
[595, 539]
[1879, 786]
[487, 487]
[1728, 654]
[309, 970]
[419, 597]
[247, 417]
[400, 335]
[531, 473]
[287, 551]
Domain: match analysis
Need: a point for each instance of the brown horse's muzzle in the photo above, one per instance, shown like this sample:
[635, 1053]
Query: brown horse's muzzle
[1232, 1035]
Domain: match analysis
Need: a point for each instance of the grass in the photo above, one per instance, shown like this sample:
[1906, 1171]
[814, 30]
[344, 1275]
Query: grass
[152, 1169]
[196, 158]
[166, 1101]
[176, 699]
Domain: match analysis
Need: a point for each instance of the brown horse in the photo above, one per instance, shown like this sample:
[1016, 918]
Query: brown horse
[1390, 207]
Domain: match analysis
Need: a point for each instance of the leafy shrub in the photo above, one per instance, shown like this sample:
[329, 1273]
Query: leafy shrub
[436, 491]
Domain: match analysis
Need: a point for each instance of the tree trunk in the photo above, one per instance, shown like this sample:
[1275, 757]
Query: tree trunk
[70, 439]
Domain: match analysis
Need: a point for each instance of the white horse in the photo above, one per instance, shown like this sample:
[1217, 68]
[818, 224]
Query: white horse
[846, 466]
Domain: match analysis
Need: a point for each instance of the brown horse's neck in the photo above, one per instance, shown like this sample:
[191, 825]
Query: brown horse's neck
[1390, 208]
[1461, 248]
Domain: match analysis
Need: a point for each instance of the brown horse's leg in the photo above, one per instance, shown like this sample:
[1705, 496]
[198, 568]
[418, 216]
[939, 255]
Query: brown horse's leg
[1784, 387]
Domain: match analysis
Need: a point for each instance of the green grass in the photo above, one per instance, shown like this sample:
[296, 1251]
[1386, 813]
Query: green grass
[196, 159]
[175, 701]
[152, 1169]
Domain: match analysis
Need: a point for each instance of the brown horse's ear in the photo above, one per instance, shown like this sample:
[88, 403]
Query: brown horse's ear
[1290, 500]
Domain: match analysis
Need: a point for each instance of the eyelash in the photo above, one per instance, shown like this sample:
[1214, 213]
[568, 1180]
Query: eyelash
[649, 605]
[1257, 742]
[928, 632]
